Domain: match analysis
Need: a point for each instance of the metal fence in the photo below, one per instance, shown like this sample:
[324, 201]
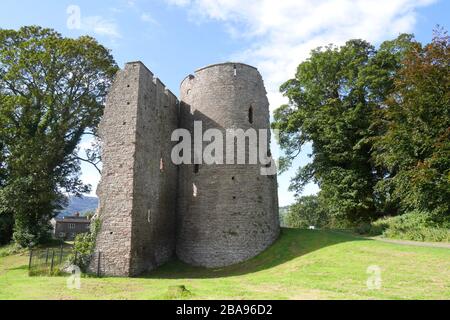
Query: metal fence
[48, 261]
[58, 261]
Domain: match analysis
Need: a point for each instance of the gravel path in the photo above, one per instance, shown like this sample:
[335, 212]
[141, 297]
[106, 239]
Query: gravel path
[445, 245]
[414, 243]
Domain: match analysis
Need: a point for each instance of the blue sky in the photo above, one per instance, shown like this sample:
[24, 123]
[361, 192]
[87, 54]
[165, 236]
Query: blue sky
[175, 37]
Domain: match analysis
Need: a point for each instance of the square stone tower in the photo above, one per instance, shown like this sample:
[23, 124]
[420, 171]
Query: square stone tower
[138, 189]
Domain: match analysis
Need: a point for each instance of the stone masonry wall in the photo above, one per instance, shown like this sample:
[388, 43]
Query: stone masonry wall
[155, 177]
[226, 213]
[137, 191]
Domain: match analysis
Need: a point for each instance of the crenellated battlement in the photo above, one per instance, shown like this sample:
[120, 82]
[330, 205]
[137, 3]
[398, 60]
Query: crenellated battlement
[156, 81]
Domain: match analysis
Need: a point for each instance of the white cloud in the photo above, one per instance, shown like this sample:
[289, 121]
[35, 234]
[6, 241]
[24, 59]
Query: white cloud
[283, 32]
[144, 16]
[89, 175]
[180, 3]
[131, 3]
[147, 17]
[101, 26]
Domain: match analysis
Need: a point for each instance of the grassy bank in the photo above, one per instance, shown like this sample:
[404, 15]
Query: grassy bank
[301, 265]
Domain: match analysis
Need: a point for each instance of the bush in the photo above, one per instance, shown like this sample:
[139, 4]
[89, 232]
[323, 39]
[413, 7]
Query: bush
[416, 225]
[420, 234]
[84, 246]
[366, 228]
[31, 234]
[308, 211]
[340, 223]
[11, 249]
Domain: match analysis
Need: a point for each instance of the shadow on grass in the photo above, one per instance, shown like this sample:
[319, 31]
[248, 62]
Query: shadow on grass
[291, 244]
[24, 267]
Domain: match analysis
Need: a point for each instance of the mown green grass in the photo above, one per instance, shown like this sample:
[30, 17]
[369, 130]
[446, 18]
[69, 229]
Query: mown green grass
[301, 265]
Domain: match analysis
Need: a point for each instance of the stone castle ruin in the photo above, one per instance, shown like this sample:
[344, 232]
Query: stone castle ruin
[151, 209]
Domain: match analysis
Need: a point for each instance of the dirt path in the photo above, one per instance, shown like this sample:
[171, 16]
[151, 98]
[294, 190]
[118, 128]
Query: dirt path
[401, 242]
[414, 243]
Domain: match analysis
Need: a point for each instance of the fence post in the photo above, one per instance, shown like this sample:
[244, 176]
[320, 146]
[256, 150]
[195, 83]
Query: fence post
[53, 259]
[98, 264]
[46, 257]
[60, 254]
[31, 259]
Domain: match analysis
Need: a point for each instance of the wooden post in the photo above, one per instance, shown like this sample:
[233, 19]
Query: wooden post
[46, 257]
[52, 263]
[98, 264]
[60, 254]
[31, 259]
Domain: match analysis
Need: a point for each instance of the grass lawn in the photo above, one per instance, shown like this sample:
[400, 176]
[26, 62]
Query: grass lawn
[303, 264]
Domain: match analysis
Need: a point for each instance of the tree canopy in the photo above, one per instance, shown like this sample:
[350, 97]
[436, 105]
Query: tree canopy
[414, 146]
[52, 91]
[378, 121]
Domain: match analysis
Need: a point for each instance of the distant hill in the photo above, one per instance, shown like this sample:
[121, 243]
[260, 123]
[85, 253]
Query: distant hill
[81, 205]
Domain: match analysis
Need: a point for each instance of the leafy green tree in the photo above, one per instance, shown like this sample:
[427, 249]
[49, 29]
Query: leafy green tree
[333, 100]
[6, 228]
[84, 246]
[6, 219]
[52, 92]
[415, 144]
[307, 211]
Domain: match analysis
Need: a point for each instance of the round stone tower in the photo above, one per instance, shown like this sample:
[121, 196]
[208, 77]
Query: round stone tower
[227, 213]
